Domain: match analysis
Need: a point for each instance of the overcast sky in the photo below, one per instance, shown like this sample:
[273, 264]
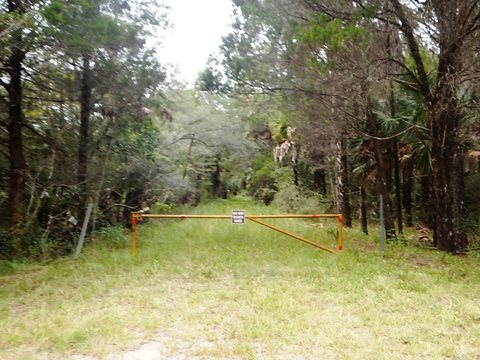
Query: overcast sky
[198, 26]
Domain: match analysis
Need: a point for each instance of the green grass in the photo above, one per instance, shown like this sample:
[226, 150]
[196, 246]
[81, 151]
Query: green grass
[212, 290]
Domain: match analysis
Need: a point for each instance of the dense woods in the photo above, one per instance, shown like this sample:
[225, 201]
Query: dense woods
[384, 97]
[310, 105]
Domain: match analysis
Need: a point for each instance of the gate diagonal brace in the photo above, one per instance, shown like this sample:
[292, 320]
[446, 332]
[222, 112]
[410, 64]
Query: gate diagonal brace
[291, 235]
[137, 217]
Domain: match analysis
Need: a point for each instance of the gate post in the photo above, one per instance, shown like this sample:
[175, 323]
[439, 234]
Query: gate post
[340, 232]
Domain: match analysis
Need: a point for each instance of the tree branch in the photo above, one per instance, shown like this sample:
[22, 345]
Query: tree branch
[415, 51]
[47, 140]
[403, 66]
[59, 101]
[406, 83]
[389, 137]
[472, 25]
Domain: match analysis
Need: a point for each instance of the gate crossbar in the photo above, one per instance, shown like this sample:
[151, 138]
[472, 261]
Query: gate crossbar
[136, 216]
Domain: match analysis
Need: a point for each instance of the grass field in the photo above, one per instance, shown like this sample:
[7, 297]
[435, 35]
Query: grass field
[212, 290]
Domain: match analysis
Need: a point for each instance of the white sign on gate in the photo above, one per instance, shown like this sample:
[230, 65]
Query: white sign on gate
[238, 217]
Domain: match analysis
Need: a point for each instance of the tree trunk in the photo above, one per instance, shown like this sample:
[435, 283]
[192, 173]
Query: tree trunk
[342, 183]
[426, 201]
[188, 160]
[382, 172]
[133, 201]
[456, 21]
[395, 160]
[295, 174]
[407, 189]
[196, 195]
[101, 181]
[320, 181]
[18, 165]
[83, 141]
[216, 180]
[447, 159]
[398, 187]
[448, 186]
[363, 210]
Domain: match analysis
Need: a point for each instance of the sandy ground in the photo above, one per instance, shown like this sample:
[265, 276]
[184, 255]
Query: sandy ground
[152, 350]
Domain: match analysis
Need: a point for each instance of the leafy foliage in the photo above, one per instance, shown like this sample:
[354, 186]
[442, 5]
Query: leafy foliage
[64, 40]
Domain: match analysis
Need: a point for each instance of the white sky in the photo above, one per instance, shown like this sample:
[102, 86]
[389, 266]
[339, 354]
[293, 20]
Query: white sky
[197, 29]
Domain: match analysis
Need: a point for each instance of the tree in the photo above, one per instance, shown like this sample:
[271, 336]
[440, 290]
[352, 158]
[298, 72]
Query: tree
[275, 50]
[454, 25]
[206, 141]
[209, 81]
[16, 39]
[315, 52]
[78, 74]
[95, 36]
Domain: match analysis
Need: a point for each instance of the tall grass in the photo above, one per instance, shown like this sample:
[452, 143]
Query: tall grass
[209, 289]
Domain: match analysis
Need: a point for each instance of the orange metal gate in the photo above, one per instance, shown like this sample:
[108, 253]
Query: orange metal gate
[136, 216]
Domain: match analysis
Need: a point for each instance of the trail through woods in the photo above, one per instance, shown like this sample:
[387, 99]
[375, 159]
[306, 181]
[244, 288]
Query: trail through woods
[214, 290]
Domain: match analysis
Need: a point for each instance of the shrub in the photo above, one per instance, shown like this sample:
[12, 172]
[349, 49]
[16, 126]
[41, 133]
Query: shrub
[294, 199]
[263, 183]
[113, 237]
[162, 208]
[6, 268]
